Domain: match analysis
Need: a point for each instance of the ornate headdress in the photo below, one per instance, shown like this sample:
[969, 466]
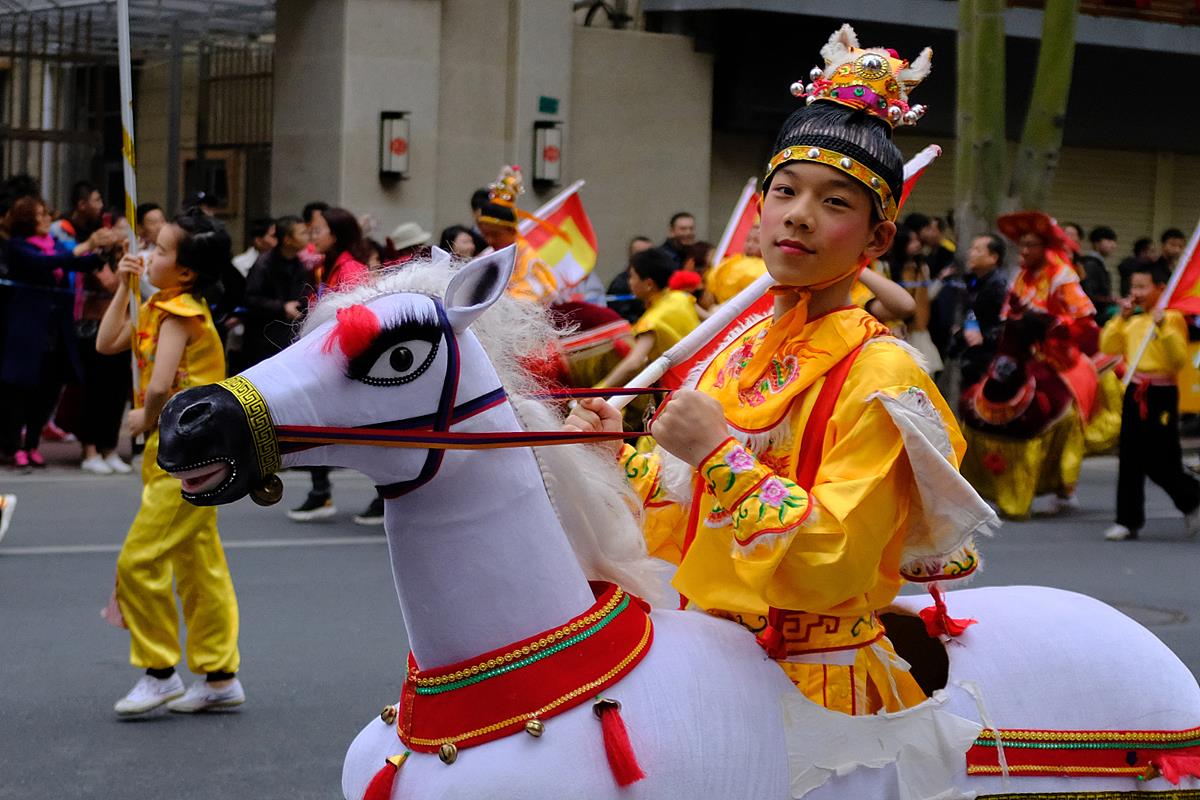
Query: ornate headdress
[501, 208]
[874, 81]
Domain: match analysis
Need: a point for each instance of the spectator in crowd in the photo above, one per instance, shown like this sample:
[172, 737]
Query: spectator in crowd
[698, 257]
[1144, 252]
[907, 266]
[150, 219]
[275, 294]
[737, 271]
[87, 210]
[986, 289]
[1093, 266]
[262, 240]
[375, 253]
[630, 309]
[1150, 413]
[681, 234]
[106, 378]
[40, 353]
[937, 248]
[337, 237]
[670, 315]
[407, 241]
[479, 199]
[457, 240]
[1172, 243]
[309, 257]
[1074, 232]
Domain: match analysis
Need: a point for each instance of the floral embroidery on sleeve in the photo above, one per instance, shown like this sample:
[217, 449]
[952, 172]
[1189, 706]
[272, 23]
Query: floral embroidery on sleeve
[762, 507]
[643, 473]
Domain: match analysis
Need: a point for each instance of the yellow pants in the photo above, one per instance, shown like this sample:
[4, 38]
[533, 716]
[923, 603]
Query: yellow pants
[872, 684]
[173, 540]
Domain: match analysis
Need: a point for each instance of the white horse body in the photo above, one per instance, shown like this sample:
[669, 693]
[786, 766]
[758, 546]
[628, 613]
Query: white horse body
[490, 552]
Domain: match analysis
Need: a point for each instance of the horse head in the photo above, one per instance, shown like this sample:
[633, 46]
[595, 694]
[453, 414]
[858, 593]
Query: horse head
[370, 363]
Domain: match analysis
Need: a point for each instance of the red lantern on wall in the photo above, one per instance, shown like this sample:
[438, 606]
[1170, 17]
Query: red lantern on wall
[394, 145]
[547, 154]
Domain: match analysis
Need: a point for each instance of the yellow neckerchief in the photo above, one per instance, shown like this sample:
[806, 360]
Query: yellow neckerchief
[794, 362]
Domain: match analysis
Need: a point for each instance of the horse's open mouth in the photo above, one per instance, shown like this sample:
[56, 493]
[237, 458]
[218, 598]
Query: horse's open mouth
[205, 479]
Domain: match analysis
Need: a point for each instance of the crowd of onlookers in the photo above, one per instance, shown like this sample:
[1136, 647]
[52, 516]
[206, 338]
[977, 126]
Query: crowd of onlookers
[57, 273]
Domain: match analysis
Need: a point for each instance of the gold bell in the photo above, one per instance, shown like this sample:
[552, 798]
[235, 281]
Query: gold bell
[268, 492]
[448, 753]
[388, 715]
[535, 728]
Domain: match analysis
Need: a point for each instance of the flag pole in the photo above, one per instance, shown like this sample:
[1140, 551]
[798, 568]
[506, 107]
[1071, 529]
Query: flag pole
[731, 227]
[727, 312]
[126, 80]
[1163, 302]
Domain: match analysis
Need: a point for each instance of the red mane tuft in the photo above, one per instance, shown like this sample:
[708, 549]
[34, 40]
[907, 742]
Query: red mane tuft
[357, 326]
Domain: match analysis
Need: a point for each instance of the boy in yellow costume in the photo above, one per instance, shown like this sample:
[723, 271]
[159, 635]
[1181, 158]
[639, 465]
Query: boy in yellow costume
[818, 459]
[171, 540]
[531, 278]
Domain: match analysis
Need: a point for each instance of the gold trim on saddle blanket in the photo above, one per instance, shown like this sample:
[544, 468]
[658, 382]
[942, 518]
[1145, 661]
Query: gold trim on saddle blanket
[258, 417]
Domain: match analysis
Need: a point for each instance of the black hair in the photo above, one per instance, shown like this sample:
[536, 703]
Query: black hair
[1171, 233]
[14, 188]
[638, 238]
[917, 221]
[80, 192]
[678, 215]
[849, 131]
[1157, 270]
[260, 227]
[479, 199]
[205, 249]
[1078, 228]
[1142, 245]
[898, 255]
[143, 209]
[347, 236]
[446, 240]
[996, 246]
[311, 208]
[500, 212]
[654, 264]
[1100, 233]
[283, 227]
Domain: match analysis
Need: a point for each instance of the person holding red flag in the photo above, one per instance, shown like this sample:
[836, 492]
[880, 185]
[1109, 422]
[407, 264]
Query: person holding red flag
[1150, 414]
[794, 484]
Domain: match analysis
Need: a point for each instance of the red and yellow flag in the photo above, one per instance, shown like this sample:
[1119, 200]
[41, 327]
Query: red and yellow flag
[567, 243]
[1184, 290]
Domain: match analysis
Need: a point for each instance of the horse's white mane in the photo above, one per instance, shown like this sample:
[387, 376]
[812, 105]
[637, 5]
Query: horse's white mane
[594, 503]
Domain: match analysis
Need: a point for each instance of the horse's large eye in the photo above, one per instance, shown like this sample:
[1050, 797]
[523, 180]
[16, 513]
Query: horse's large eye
[401, 363]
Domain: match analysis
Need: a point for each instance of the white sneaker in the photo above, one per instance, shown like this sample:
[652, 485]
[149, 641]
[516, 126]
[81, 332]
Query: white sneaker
[201, 696]
[148, 694]
[96, 465]
[117, 465]
[1066, 505]
[8, 504]
[1190, 521]
[1119, 533]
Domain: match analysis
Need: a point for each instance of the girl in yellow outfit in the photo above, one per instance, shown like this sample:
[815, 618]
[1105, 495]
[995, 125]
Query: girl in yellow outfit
[171, 540]
[821, 458]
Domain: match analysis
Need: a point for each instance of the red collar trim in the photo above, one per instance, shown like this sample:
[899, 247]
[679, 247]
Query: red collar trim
[497, 693]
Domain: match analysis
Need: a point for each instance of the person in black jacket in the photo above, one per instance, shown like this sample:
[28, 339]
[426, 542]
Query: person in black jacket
[275, 296]
[986, 289]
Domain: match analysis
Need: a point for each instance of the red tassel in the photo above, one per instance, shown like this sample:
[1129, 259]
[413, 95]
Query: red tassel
[356, 328]
[938, 621]
[771, 640]
[621, 758]
[380, 787]
[1175, 768]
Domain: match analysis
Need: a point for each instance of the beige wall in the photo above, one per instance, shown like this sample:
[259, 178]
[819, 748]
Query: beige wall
[641, 134]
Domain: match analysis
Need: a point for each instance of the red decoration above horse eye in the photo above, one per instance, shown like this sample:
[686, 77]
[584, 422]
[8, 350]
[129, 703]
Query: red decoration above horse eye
[357, 326]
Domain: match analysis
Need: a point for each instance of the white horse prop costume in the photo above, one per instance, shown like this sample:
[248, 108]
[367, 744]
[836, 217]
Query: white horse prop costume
[527, 681]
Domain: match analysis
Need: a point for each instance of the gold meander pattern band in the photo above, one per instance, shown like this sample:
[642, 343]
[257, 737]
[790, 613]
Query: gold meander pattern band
[1092, 736]
[532, 647]
[262, 429]
[587, 687]
[840, 161]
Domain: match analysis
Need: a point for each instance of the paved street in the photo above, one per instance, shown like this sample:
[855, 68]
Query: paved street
[322, 641]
